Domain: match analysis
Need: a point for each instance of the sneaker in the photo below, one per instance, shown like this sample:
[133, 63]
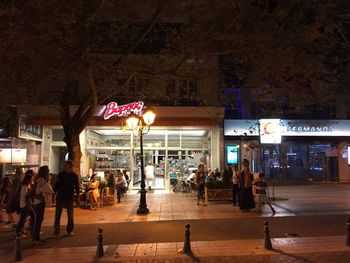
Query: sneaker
[56, 235]
[70, 234]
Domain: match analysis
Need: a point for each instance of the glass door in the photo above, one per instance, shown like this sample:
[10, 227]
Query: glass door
[319, 162]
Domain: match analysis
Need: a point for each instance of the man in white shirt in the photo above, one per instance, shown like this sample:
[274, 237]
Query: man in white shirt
[149, 172]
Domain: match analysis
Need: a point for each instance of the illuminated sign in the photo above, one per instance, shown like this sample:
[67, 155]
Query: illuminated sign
[112, 109]
[289, 127]
[232, 154]
[270, 131]
[13, 155]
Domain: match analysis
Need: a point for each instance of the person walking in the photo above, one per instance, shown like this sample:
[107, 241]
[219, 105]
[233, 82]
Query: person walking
[6, 199]
[149, 172]
[13, 206]
[42, 199]
[26, 204]
[67, 183]
[246, 201]
[200, 183]
[235, 185]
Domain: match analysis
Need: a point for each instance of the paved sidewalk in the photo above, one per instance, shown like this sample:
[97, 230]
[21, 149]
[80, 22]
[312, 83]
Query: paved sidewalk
[322, 249]
[325, 199]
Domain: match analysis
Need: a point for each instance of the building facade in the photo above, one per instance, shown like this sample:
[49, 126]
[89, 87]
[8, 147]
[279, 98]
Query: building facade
[180, 139]
[291, 150]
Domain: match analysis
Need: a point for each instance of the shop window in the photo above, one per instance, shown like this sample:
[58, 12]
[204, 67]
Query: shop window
[272, 162]
[296, 161]
[57, 135]
[323, 162]
[108, 138]
[154, 140]
[173, 139]
[194, 140]
[109, 160]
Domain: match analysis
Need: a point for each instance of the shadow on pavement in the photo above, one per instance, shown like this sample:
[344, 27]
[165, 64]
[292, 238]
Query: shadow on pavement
[292, 256]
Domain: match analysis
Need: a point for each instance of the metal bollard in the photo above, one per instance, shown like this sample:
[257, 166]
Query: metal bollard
[187, 243]
[99, 250]
[18, 249]
[268, 244]
[348, 231]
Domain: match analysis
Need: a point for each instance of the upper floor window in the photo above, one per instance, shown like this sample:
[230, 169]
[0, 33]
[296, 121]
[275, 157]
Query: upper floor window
[184, 88]
[136, 85]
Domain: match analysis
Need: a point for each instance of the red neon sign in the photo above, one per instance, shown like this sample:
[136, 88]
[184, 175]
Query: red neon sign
[112, 109]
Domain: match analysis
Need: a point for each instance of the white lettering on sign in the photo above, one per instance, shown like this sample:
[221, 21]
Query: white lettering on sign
[112, 109]
[309, 129]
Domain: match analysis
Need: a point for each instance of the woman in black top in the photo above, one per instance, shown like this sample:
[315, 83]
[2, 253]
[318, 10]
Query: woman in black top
[200, 182]
[246, 187]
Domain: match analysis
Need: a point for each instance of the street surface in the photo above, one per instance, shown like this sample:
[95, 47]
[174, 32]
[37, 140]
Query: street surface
[308, 213]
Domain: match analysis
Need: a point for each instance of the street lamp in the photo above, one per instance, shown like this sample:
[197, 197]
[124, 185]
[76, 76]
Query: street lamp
[142, 125]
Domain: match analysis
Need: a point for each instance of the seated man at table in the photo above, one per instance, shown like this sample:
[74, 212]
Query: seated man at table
[173, 180]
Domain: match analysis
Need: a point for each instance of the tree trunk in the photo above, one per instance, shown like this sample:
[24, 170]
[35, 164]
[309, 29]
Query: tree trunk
[74, 151]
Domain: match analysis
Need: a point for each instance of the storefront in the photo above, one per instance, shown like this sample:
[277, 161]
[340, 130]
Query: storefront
[22, 150]
[181, 139]
[287, 150]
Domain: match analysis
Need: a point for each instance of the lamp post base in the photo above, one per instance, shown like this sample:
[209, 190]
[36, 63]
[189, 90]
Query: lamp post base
[143, 210]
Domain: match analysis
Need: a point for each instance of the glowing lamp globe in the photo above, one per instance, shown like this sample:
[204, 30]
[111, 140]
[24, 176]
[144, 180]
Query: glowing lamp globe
[132, 121]
[148, 116]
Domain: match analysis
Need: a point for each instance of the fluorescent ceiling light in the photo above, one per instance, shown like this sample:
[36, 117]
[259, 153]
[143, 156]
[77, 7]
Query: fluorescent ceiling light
[153, 132]
[111, 132]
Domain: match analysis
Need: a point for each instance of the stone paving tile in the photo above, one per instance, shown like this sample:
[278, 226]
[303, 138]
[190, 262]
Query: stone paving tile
[168, 253]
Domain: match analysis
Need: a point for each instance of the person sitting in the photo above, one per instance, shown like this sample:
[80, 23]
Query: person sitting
[173, 180]
[120, 185]
[217, 174]
[93, 191]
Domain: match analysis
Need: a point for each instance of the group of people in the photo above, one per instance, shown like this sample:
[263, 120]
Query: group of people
[247, 192]
[120, 182]
[28, 194]
[245, 188]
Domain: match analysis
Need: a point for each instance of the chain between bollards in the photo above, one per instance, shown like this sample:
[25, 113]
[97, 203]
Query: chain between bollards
[268, 244]
[348, 231]
[99, 250]
[187, 244]
[18, 249]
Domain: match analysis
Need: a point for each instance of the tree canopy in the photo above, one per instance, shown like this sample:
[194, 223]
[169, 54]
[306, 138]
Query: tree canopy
[86, 52]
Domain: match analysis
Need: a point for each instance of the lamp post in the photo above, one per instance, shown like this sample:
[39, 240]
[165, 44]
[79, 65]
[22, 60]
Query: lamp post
[142, 125]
